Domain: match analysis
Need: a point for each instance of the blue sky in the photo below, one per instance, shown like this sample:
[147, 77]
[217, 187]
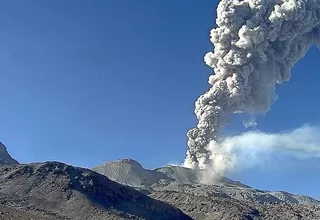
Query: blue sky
[85, 82]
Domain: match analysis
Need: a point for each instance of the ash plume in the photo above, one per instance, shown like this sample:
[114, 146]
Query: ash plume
[256, 44]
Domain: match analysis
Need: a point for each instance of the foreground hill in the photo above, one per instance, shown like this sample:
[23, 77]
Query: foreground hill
[55, 190]
[226, 199]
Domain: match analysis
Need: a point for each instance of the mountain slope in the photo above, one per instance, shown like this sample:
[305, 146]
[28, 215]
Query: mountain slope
[5, 157]
[7, 212]
[59, 191]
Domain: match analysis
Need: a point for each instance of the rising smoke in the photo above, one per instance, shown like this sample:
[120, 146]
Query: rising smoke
[255, 149]
[256, 44]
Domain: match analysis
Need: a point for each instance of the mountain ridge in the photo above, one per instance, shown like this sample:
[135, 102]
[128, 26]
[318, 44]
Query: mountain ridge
[54, 190]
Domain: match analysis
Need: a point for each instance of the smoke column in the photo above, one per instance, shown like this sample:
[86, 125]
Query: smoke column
[256, 44]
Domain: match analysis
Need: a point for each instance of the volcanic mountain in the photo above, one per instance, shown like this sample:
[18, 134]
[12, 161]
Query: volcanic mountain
[226, 199]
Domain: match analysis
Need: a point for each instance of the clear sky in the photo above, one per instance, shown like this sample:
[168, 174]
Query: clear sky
[85, 82]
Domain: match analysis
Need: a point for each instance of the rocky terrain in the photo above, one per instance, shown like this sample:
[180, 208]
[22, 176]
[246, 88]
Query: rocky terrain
[226, 199]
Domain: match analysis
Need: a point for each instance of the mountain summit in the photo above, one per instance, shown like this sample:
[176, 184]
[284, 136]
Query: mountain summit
[129, 172]
[5, 158]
